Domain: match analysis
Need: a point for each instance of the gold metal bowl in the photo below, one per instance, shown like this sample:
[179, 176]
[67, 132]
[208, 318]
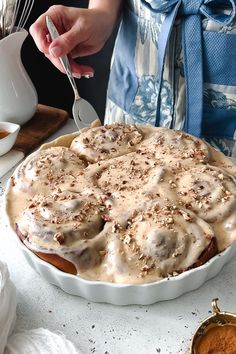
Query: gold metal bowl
[218, 319]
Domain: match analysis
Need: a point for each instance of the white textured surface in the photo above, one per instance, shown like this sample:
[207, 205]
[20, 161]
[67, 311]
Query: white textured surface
[9, 160]
[7, 305]
[165, 327]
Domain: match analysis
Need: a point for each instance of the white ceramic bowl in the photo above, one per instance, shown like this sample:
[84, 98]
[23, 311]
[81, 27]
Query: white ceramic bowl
[7, 142]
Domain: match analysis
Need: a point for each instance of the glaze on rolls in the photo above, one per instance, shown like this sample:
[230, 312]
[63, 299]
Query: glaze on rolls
[130, 181]
[208, 191]
[46, 169]
[102, 143]
[61, 224]
[158, 242]
[176, 149]
[125, 204]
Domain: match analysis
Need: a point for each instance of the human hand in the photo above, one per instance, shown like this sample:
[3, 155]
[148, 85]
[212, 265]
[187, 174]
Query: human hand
[82, 32]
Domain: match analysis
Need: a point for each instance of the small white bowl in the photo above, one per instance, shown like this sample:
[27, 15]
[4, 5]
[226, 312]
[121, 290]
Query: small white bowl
[7, 142]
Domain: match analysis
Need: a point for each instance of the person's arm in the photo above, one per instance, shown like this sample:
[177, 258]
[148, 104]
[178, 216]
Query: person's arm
[82, 31]
[110, 7]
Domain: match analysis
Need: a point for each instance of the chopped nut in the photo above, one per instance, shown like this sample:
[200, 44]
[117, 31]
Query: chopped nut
[59, 237]
[102, 252]
[127, 239]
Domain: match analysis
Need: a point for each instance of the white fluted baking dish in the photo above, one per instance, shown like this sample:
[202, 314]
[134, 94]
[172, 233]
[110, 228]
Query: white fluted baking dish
[123, 294]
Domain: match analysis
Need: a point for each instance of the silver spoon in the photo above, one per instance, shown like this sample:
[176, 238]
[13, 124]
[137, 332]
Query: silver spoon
[83, 112]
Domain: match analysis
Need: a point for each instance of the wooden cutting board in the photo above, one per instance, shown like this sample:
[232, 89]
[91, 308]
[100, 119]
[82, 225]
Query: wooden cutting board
[46, 121]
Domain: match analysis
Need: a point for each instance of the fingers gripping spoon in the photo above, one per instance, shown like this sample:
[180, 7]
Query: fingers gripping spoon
[83, 112]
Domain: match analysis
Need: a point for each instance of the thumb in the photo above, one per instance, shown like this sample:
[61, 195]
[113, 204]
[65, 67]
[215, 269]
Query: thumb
[64, 44]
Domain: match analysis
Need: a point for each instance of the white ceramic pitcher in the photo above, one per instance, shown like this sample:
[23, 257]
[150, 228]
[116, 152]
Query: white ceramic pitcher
[18, 96]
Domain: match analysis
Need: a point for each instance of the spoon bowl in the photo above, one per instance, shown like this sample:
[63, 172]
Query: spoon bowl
[83, 112]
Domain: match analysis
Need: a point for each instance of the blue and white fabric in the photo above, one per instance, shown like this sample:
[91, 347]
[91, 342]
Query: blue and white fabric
[174, 65]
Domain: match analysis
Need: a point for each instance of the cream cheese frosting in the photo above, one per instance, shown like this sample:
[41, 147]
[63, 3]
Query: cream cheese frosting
[65, 218]
[101, 143]
[175, 148]
[7, 305]
[126, 204]
[208, 191]
[156, 242]
[46, 169]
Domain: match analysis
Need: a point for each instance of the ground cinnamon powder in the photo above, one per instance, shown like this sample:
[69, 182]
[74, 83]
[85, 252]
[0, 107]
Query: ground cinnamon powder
[3, 133]
[218, 340]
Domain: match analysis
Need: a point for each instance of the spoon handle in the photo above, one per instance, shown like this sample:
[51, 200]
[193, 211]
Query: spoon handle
[64, 59]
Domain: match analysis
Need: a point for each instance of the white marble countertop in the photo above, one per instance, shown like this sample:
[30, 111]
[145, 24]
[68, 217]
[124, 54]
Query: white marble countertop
[165, 327]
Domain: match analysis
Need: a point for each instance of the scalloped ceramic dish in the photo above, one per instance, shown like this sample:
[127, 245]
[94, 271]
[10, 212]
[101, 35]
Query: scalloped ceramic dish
[123, 294]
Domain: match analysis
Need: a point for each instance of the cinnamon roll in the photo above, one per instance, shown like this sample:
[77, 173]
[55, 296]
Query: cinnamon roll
[176, 148]
[208, 191]
[158, 242]
[102, 143]
[59, 227]
[131, 180]
[46, 169]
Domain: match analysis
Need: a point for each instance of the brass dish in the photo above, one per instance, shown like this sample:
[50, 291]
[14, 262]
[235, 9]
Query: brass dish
[219, 318]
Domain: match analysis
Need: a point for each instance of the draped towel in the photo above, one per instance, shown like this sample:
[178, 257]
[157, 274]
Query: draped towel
[191, 12]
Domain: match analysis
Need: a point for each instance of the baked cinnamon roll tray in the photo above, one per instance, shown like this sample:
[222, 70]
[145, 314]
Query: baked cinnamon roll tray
[125, 214]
